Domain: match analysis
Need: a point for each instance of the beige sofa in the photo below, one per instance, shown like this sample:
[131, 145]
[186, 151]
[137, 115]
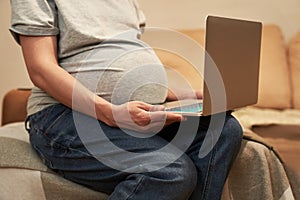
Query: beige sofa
[260, 171]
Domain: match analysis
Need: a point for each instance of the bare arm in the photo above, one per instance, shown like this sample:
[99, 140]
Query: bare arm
[41, 61]
[40, 55]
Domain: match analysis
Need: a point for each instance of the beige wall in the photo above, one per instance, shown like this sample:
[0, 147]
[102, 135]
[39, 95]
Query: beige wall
[161, 13]
[12, 70]
[192, 13]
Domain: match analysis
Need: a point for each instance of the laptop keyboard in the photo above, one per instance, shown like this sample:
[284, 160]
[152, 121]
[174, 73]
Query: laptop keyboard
[193, 108]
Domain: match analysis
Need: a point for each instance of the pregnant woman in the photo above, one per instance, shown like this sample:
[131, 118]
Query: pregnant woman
[91, 115]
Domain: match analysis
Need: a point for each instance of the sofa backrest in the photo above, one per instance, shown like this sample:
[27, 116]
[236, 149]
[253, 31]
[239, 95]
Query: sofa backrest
[274, 87]
[294, 63]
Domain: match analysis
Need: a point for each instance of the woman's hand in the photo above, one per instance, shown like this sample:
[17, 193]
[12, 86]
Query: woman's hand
[179, 94]
[139, 116]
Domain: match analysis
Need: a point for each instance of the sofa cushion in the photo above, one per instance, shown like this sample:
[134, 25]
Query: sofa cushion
[21, 167]
[294, 62]
[274, 83]
[286, 139]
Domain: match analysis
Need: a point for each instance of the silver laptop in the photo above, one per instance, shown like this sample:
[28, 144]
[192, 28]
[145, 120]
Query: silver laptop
[231, 68]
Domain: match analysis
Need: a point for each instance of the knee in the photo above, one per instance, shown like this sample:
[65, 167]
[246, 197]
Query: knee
[232, 128]
[232, 132]
[175, 181]
[185, 177]
[186, 173]
[179, 176]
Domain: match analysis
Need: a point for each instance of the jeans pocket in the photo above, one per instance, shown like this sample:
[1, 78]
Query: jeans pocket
[40, 119]
[54, 124]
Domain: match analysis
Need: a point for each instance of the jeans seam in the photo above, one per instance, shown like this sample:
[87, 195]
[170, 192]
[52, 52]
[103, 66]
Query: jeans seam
[43, 157]
[139, 184]
[208, 175]
[61, 146]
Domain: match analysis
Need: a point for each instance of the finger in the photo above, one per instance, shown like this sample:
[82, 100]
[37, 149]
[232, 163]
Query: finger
[158, 116]
[174, 117]
[199, 94]
[161, 116]
[144, 106]
[157, 108]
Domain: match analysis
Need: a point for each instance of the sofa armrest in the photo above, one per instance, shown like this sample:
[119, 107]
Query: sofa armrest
[14, 105]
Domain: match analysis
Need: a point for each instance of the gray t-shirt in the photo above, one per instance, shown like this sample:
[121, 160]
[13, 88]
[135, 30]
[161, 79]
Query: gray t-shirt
[98, 44]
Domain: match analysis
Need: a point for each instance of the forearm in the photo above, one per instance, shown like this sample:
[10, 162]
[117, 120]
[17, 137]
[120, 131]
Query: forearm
[66, 89]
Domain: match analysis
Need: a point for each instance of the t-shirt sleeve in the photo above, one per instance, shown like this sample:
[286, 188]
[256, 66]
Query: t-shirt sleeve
[33, 18]
[140, 14]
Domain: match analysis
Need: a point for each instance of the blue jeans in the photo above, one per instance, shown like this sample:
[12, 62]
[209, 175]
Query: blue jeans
[56, 139]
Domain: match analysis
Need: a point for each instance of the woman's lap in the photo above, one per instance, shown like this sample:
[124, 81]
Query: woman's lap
[69, 144]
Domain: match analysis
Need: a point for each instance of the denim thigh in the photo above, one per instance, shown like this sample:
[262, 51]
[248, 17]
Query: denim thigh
[55, 137]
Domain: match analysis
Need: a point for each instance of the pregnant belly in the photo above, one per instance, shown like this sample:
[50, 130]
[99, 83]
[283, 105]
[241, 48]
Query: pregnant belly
[134, 75]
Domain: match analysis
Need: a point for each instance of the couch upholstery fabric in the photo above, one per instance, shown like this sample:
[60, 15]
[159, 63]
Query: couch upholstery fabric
[274, 82]
[294, 63]
[20, 167]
